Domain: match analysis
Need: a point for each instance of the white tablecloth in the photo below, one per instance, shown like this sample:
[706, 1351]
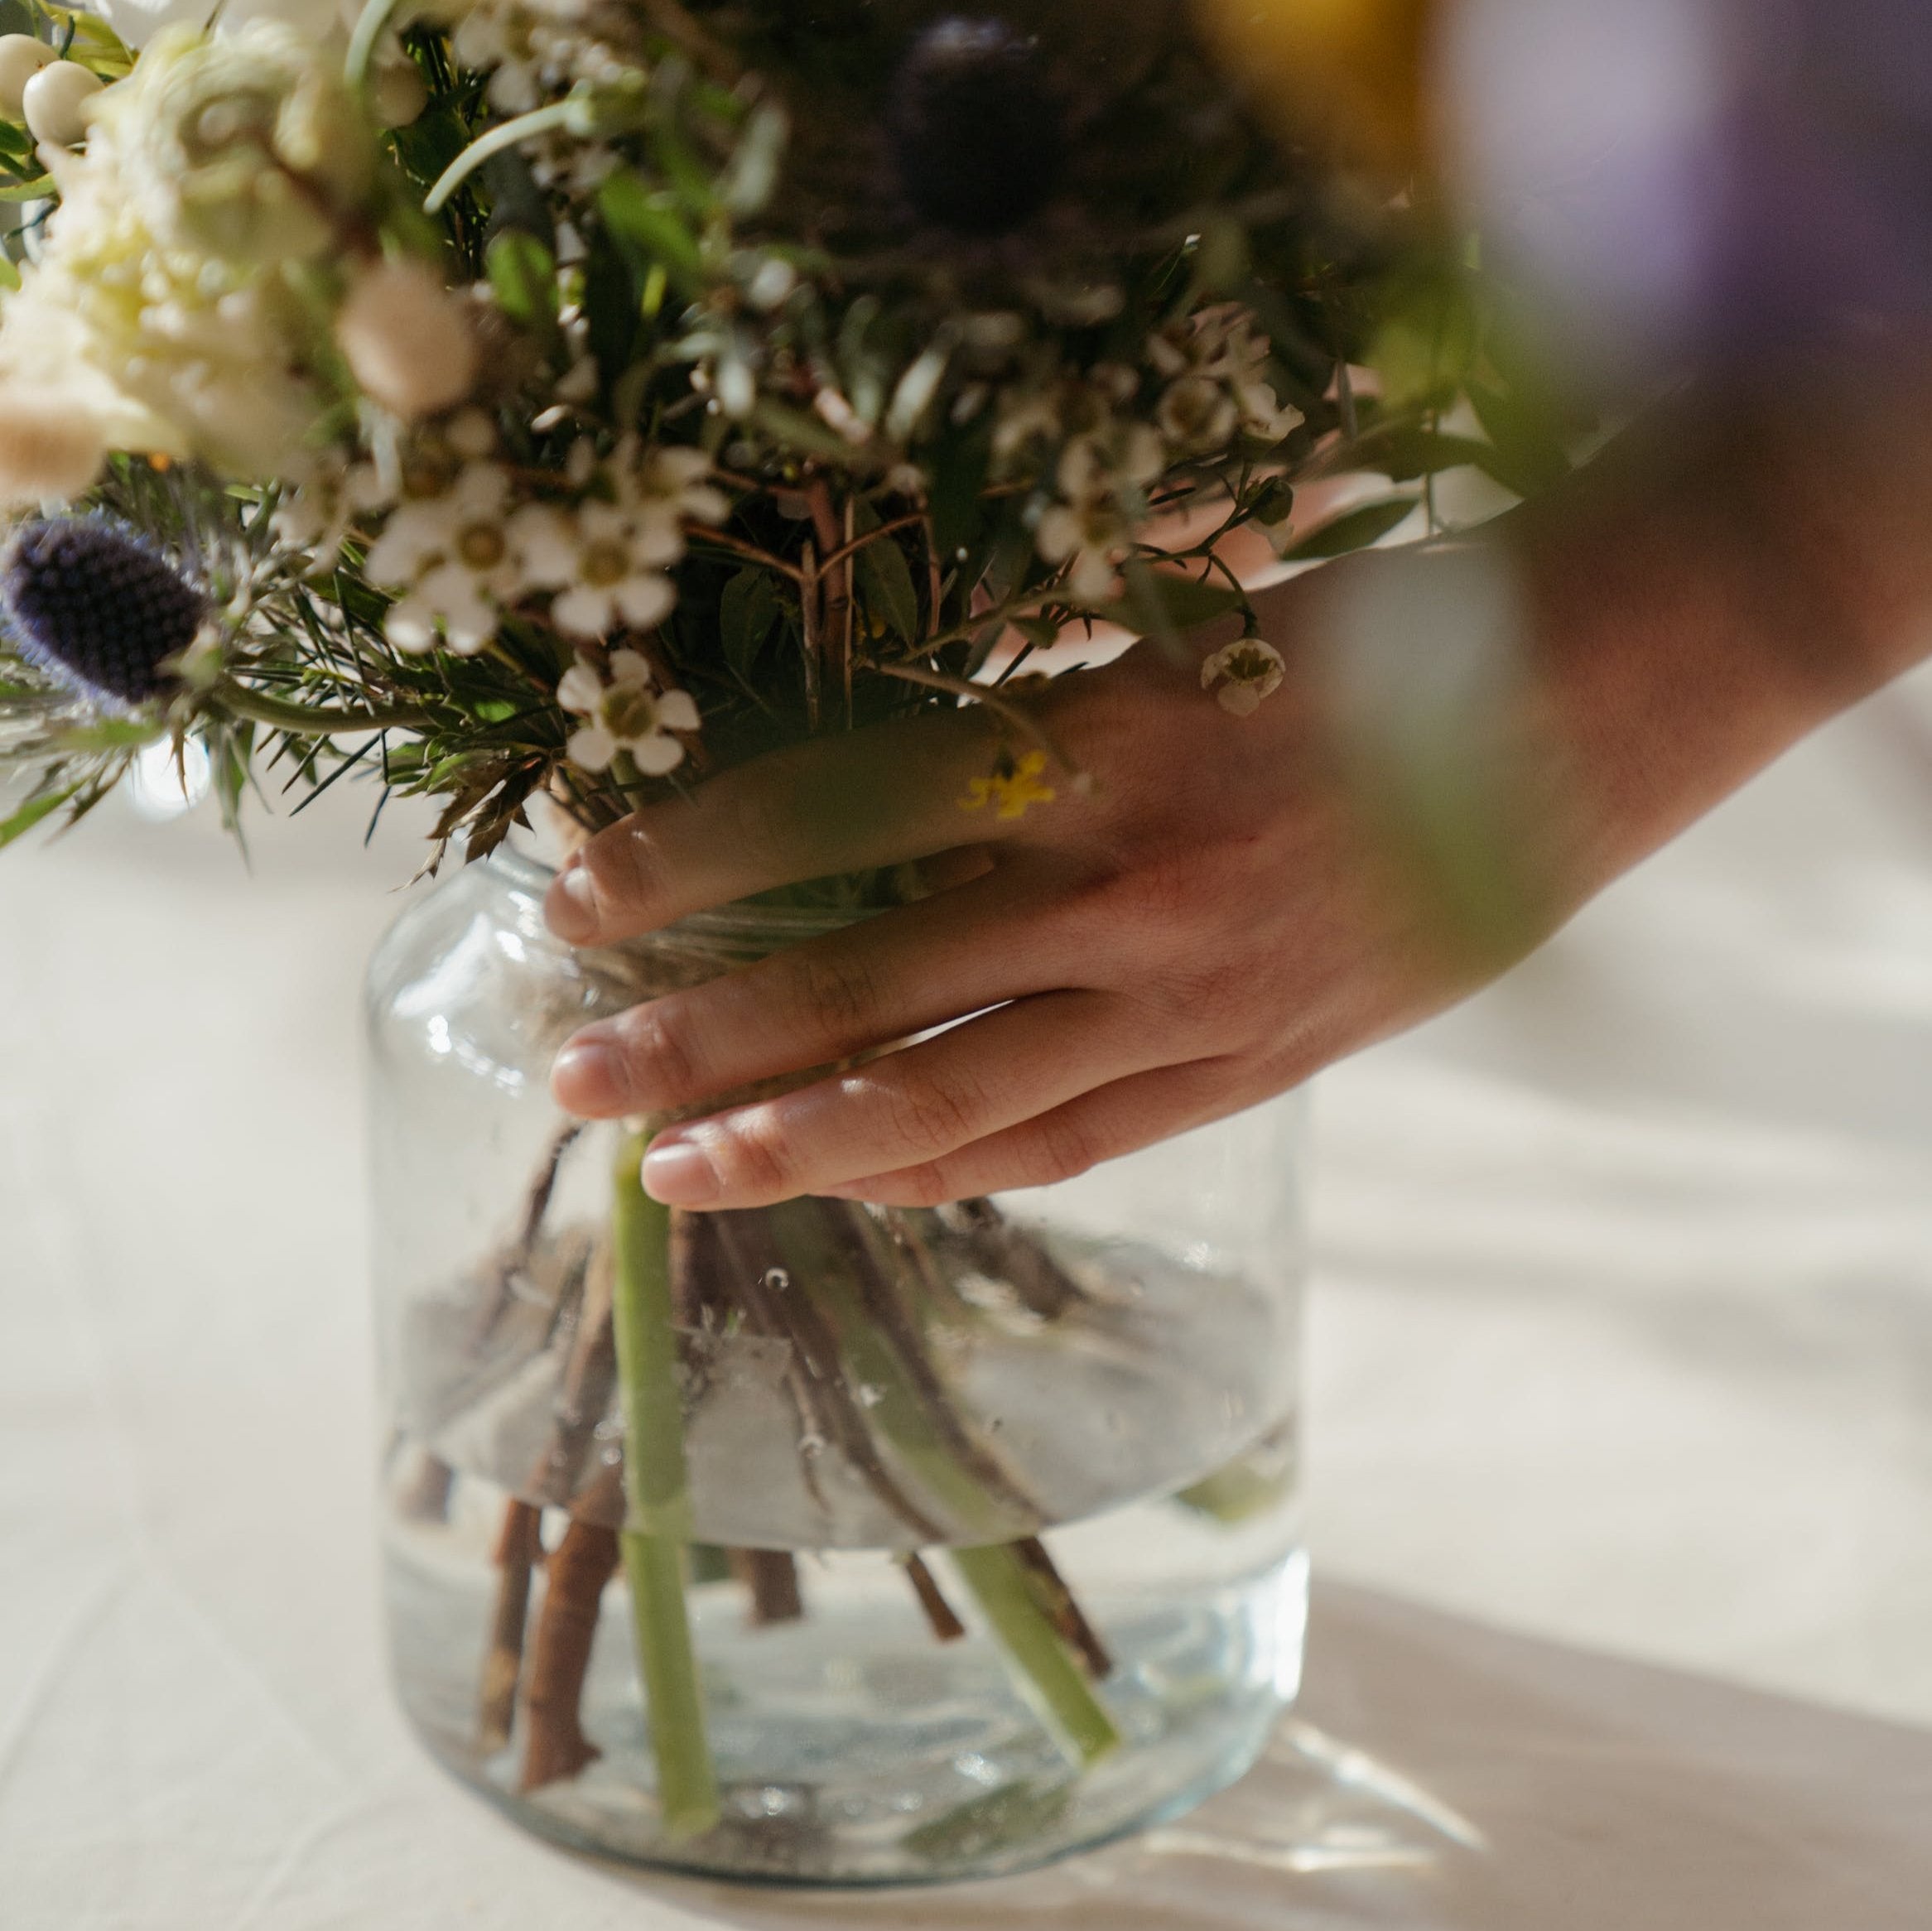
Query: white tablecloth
[1622, 1343]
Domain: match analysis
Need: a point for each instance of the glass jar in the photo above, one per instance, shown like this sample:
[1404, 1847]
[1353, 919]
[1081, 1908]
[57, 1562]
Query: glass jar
[981, 1543]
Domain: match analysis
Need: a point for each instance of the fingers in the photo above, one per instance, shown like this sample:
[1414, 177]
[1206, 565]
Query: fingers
[1120, 1117]
[884, 980]
[908, 1109]
[881, 796]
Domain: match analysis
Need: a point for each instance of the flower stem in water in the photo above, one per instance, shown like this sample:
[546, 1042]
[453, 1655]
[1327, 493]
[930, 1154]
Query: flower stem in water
[1042, 1662]
[657, 1519]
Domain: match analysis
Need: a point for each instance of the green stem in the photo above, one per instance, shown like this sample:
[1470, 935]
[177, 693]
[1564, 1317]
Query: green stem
[657, 1519]
[314, 721]
[1043, 1664]
[819, 1271]
[362, 43]
[509, 134]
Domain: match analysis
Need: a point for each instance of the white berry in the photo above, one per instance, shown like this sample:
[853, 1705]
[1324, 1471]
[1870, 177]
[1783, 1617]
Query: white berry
[399, 94]
[21, 57]
[55, 100]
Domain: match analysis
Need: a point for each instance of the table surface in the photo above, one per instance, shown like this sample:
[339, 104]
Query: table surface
[1621, 1395]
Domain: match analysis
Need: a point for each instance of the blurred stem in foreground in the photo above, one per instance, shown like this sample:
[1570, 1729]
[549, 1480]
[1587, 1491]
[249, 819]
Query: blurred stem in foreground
[657, 1522]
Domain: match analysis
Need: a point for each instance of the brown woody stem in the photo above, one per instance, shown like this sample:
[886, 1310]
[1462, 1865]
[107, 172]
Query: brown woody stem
[556, 1747]
[946, 1625]
[1066, 1614]
[519, 1547]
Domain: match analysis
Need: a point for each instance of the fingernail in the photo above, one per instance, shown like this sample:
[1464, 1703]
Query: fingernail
[571, 907]
[680, 1174]
[588, 1077]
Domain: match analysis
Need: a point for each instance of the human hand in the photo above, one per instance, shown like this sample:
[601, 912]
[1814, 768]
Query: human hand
[1202, 928]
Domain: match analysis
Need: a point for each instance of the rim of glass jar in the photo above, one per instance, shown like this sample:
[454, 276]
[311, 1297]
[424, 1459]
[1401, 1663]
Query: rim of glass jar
[724, 927]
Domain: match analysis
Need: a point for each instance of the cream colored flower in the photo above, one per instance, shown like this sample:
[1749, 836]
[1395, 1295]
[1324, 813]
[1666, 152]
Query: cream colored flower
[626, 713]
[138, 21]
[451, 557]
[158, 306]
[1246, 670]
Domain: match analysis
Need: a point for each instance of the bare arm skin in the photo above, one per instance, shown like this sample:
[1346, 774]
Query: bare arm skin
[1217, 919]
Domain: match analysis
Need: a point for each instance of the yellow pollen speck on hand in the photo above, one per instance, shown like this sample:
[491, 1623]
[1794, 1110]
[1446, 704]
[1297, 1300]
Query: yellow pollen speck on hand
[1011, 787]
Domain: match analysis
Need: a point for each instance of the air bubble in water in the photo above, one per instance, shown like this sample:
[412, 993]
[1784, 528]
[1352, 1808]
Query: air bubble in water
[777, 1280]
[869, 1395]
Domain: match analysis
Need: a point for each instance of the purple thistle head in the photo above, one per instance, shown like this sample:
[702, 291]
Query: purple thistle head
[94, 604]
[976, 128]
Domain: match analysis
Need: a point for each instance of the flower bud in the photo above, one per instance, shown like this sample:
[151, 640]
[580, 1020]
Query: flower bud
[21, 57]
[50, 450]
[407, 340]
[55, 101]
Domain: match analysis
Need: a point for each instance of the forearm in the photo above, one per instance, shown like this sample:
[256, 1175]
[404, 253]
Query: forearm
[1700, 599]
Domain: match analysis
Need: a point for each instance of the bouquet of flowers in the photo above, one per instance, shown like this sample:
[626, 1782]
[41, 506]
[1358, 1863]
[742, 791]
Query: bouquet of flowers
[564, 400]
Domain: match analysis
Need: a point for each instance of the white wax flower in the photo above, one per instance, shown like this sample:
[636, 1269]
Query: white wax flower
[1246, 671]
[626, 713]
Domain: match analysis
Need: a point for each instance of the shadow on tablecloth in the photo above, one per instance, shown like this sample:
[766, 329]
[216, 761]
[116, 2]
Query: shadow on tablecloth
[1487, 1782]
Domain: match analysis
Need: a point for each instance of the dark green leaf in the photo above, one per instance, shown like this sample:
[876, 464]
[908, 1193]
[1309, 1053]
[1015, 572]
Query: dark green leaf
[959, 475]
[430, 141]
[648, 230]
[33, 812]
[610, 310]
[1159, 604]
[747, 610]
[804, 433]
[885, 579]
[524, 277]
[1528, 455]
[1354, 529]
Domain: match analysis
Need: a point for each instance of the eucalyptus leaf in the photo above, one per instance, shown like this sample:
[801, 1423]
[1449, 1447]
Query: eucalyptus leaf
[1354, 529]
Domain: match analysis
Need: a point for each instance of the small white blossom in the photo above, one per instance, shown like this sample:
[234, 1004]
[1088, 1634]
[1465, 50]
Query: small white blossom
[604, 562]
[451, 557]
[626, 713]
[666, 488]
[1246, 670]
[1092, 536]
[1101, 476]
[330, 495]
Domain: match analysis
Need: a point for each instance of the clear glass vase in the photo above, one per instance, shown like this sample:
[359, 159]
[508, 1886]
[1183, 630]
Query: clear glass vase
[979, 1541]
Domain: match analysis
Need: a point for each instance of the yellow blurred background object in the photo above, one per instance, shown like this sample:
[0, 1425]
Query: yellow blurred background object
[1350, 74]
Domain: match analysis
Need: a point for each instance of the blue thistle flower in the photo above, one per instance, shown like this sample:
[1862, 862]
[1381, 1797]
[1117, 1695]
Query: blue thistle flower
[977, 130]
[94, 604]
